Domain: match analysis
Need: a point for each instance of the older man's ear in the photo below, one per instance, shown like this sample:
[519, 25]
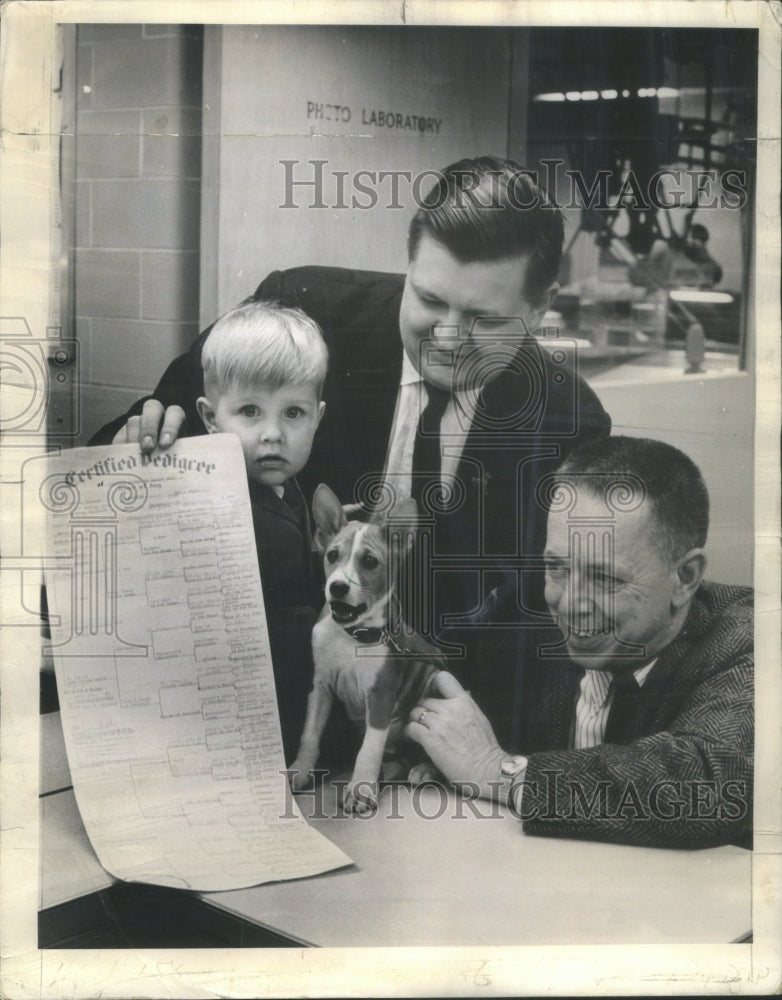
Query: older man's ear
[689, 574]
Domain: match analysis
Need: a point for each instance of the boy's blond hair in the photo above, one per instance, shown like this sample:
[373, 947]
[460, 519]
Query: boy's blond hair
[266, 343]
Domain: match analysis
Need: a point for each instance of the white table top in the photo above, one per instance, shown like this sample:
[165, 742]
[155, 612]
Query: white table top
[470, 880]
[459, 879]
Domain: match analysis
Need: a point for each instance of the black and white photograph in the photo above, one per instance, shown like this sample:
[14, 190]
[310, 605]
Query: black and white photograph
[390, 471]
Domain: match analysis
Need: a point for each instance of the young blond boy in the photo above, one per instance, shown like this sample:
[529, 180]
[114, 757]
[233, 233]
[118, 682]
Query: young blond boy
[264, 367]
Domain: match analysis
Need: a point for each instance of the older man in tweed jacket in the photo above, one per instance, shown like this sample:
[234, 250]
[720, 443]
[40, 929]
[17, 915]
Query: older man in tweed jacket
[635, 723]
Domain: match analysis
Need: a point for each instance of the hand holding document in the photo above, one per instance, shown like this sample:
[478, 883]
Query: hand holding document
[163, 669]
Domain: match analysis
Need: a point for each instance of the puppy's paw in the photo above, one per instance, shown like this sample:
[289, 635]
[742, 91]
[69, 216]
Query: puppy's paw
[300, 775]
[423, 772]
[360, 798]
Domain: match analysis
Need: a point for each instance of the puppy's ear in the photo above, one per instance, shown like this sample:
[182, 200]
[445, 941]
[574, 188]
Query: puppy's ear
[328, 515]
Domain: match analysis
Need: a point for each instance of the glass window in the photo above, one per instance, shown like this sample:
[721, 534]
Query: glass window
[643, 137]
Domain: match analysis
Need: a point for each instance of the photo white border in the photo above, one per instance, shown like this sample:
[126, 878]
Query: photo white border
[27, 179]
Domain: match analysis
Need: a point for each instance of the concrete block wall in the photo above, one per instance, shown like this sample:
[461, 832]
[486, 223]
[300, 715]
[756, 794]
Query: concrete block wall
[137, 207]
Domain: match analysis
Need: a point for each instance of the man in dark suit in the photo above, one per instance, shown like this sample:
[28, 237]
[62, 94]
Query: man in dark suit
[441, 357]
[636, 715]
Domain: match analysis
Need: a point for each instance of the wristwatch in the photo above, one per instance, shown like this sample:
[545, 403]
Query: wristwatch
[514, 765]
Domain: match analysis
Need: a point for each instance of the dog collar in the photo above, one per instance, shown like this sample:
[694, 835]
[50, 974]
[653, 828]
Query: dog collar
[376, 636]
[369, 636]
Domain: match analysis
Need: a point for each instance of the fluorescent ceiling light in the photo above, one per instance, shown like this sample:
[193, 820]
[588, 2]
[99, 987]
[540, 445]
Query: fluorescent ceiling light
[696, 295]
[607, 95]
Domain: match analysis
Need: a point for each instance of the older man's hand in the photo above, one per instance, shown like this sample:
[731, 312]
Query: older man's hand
[457, 736]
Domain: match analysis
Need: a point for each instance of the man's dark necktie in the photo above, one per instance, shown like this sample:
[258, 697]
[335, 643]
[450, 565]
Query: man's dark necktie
[621, 715]
[426, 450]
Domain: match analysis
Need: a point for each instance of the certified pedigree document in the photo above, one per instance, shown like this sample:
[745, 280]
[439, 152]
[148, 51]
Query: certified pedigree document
[163, 669]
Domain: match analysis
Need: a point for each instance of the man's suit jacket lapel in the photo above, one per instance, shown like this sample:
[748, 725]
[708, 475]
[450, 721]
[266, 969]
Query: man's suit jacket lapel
[507, 449]
[667, 683]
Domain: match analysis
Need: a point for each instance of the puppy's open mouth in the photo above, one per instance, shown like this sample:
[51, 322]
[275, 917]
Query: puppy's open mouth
[344, 614]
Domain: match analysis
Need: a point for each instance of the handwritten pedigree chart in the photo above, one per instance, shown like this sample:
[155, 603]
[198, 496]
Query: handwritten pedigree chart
[163, 669]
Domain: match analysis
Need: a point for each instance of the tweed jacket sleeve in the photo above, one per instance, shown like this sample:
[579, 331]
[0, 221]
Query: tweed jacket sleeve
[685, 777]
